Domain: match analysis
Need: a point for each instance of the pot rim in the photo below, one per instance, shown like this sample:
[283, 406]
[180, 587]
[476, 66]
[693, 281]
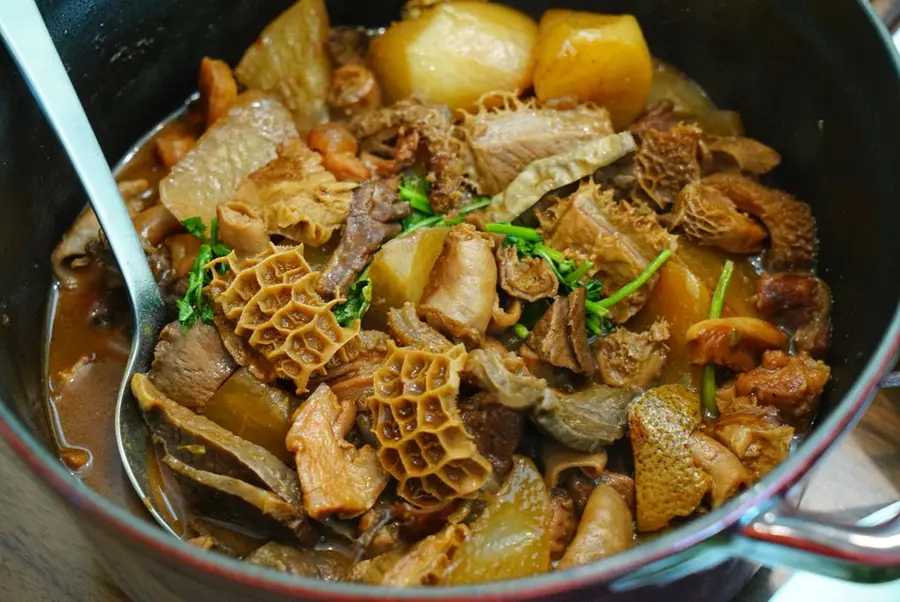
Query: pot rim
[115, 518]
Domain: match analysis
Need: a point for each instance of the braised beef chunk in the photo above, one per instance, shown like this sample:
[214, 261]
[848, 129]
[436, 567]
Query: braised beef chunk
[801, 303]
[373, 212]
[529, 279]
[631, 359]
[660, 117]
[189, 365]
[792, 384]
[496, 428]
[562, 522]
[560, 336]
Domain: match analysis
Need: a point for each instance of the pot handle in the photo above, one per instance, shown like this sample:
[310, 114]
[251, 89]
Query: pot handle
[781, 534]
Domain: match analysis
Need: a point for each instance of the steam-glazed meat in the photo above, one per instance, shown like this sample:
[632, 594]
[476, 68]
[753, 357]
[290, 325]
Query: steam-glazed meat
[733, 342]
[409, 331]
[792, 384]
[735, 153]
[373, 212]
[562, 522]
[798, 302]
[631, 359]
[336, 478]
[791, 226]
[189, 365]
[661, 117]
[667, 162]
[529, 279]
[448, 158]
[709, 217]
[560, 336]
[619, 239]
[496, 428]
[505, 141]
[459, 297]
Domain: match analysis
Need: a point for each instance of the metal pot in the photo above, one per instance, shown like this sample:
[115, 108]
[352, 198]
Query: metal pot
[816, 80]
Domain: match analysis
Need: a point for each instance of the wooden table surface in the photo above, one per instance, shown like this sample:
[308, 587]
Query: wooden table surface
[44, 558]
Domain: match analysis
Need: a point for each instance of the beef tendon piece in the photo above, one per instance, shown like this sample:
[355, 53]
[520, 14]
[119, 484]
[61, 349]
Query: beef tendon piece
[319, 564]
[172, 147]
[243, 228]
[254, 459]
[505, 140]
[429, 561]
[562, 522]
[622, 483]
[354, 90]
[606, 528]
[792, 384]
[667, 162]
[409, 331]
[336, 478]
[620, 240]
[559, 458]
[585, 420]
[560, 336]
[668, 483]
[791, 225]
[270, 301]
[299, 199]
[373, 212]
[725, 469]
[459, 297]
[631, 359]
[189, 365]
[801, 303]
[423, 441]
[736, 343]
[528, 278]
[709, 218]
[505, 377]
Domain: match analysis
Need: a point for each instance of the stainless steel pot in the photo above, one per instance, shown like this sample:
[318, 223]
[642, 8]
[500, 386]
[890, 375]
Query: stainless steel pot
[816, 80]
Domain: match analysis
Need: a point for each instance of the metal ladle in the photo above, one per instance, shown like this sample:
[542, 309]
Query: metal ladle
[29, 42]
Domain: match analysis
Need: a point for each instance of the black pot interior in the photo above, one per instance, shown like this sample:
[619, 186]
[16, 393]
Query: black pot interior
[810, 78]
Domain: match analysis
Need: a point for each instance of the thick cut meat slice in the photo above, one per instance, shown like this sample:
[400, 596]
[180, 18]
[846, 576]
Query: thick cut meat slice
[791, 226]
[733, 342]
[190, 365]
[667, 162]
[459, 297]
[560, 336]
[529, 279]
[336, 478]
[171, 147]
[667, 481]
[792, 384]
[586, 420]
[618, 238]
[631, 359]
[505, 141]
[349, 374]
[222, 450]
[218, 89]
[798, 302]
[373, 213]
[606, 528]
[496, 429]
[709, 217]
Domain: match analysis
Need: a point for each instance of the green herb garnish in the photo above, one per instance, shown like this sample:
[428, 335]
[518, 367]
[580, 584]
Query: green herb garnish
[359, 299]
[414, 189]
[417, 220]
[195, 305]
[520, 330]
[708, 386]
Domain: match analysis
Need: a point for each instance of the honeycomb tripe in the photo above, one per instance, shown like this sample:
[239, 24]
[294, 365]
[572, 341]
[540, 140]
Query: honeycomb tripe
[270, 301]
[423, 441]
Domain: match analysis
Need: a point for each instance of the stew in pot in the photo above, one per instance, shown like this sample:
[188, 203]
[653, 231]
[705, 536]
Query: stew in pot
[470, 298]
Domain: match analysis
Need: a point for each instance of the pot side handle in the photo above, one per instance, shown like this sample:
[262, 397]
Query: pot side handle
[781, 534]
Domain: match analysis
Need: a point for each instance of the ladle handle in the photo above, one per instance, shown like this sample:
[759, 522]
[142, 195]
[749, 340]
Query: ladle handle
[29, 42]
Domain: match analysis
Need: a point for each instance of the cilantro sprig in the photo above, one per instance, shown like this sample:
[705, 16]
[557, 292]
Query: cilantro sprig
[359, 300]
[415, 189]
[195, 305]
